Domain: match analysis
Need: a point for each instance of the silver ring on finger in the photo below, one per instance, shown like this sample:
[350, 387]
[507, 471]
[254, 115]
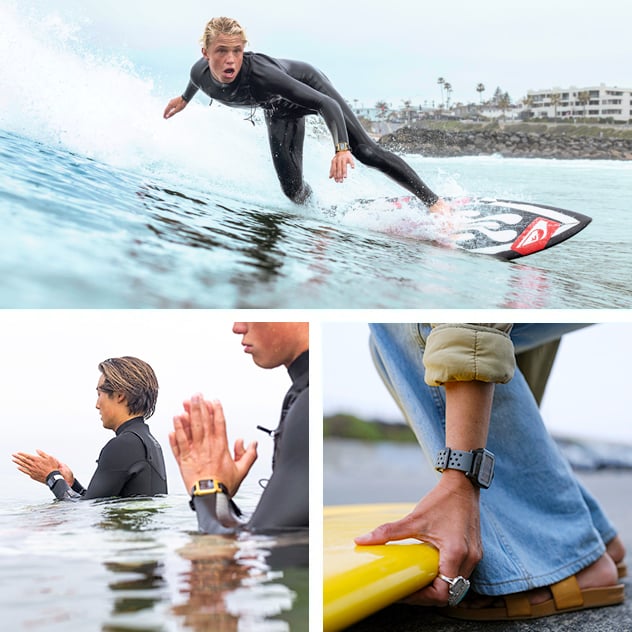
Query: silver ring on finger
[458, 588]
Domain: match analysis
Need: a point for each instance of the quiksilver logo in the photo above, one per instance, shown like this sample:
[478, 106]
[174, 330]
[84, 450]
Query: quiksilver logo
[536, 236]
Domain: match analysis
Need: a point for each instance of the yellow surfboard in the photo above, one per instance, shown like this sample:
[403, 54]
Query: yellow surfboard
[360, 580]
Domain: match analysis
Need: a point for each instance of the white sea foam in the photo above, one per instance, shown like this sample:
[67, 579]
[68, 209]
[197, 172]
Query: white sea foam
[99, 105]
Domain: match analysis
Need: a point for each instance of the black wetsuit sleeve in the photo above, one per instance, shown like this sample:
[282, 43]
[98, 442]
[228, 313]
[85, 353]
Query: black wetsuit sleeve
[194, 81]
[114, 466]
[285, 500]
[217, 514]
[313, 92]
[61, 489]
[190, 91]
[284, 503]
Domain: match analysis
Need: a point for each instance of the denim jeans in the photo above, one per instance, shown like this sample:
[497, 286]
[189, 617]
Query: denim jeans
[538, 523]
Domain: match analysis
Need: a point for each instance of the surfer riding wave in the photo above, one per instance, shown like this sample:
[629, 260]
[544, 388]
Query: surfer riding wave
[288, 91]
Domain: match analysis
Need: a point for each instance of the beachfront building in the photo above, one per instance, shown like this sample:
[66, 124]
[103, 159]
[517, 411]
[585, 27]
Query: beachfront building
[600, 103]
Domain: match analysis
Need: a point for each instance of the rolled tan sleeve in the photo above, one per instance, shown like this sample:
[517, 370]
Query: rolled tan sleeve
[469, 352]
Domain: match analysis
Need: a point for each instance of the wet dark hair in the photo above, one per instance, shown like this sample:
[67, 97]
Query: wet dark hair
[135, 379]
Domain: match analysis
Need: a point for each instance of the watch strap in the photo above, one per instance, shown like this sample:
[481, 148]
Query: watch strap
[207, 486]
[448, 459]
[477, 465]
[53, 477]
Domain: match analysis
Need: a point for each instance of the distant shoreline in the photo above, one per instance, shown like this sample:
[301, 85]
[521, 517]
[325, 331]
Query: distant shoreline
[513, 140]
[582, 453]
[345, 426]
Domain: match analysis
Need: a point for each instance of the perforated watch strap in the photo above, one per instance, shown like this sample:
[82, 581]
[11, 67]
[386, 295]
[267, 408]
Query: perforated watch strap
[448, 459]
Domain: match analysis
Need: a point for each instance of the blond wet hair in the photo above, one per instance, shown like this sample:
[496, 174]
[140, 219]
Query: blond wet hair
[221, 26]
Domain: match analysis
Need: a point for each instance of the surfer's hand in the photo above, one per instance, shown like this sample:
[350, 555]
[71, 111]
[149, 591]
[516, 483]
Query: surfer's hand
[339, 164]
[37, 466]
[174, 106]
[448, 518]
[200, 446]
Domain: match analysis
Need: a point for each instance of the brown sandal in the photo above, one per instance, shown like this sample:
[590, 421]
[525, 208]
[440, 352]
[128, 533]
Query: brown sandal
[622, 570]
[567, 597]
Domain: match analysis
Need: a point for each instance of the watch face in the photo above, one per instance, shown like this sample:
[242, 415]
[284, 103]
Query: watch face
[486, 469]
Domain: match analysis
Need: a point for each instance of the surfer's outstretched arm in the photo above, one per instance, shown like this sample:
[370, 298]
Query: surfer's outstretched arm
[174, 106]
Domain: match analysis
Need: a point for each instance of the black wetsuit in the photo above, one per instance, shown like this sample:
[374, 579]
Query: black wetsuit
[131, 464]
[284, 503]
[288, 91]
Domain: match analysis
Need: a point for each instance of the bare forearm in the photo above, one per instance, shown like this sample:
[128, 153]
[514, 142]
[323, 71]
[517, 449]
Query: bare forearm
[468, 411]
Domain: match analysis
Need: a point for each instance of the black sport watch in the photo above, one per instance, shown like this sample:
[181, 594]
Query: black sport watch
[478, 465]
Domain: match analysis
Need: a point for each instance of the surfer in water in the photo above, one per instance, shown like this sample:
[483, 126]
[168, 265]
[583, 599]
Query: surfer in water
[288, 91]
[212, 474]
[130, 464]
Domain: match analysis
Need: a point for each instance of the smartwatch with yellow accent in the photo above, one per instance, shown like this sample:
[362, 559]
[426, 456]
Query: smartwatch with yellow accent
[207, 486]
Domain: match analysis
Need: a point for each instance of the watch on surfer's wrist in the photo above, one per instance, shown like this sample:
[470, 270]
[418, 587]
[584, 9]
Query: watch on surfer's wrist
[342, 147]
[53, 477]
[207, 486]
[477, 465]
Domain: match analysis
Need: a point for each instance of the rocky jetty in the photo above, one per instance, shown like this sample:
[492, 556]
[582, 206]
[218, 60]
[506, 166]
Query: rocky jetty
[507, 143]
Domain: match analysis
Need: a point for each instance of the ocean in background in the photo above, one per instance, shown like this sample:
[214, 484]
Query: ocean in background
[105, 204]
[139, 564]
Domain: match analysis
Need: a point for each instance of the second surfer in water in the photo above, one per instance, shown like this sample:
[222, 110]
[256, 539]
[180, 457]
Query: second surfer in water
[288, 91]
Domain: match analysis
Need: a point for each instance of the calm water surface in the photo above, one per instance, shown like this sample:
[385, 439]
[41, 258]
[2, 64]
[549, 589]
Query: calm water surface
[138, 564]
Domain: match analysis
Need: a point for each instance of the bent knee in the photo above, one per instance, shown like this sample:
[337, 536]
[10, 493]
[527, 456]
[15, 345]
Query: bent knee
[371, 155]
[297, 192]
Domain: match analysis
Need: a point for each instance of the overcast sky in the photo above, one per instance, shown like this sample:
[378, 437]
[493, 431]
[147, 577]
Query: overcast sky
[374, 49]
[588, 394]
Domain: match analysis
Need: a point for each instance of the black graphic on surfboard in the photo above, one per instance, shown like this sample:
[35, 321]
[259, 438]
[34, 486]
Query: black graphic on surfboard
[502, 228]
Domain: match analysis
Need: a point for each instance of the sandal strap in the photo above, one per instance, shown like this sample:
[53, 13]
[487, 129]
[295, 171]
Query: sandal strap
[567, 594]
[517, 605]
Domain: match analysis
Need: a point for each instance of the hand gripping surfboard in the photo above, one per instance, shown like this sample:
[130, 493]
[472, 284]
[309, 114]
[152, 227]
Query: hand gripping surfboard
[360, 580]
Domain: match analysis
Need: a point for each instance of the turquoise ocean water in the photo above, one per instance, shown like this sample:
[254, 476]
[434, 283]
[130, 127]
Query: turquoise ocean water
[105, 204]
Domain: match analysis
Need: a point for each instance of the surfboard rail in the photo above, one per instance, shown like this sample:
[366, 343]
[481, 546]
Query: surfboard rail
[505, 229]
[360, 580]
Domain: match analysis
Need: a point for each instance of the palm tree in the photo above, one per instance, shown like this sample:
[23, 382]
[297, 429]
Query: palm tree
[441, 82]
[407, 103]
[504, 101]
[480, 88]
[583, 98]
[448, 92]
[382, 108]
[527, 102]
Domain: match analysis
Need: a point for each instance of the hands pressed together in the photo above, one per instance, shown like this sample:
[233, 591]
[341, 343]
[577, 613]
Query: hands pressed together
[200, 446]
[39, 466]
